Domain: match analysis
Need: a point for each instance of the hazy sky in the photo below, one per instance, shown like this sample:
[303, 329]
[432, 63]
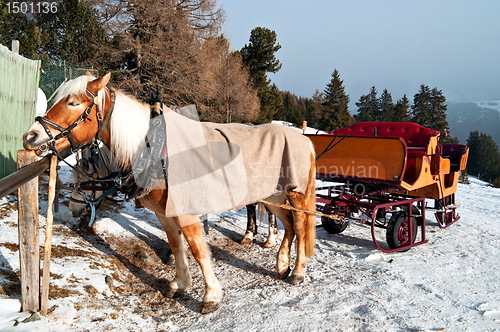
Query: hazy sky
[397, 45]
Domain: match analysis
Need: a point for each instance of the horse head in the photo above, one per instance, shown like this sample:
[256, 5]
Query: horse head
[75, 117]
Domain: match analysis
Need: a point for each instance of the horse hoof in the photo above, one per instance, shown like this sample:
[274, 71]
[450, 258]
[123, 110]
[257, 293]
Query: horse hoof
[245, 240]
[296, 279]
[170, 260]
[173, 294]
[209, 307]
[284, 274]
[269, 245]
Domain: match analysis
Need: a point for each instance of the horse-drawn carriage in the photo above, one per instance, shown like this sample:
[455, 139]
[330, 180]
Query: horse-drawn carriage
[385, 169]
[381, 173]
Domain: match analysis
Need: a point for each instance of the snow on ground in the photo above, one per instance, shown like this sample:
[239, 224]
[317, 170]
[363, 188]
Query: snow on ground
[114, 279]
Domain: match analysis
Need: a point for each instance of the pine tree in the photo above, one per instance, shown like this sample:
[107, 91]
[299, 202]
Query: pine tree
[484, 156]
[375, 104]
[259, 56]
[429, 110]
[439, 109]
[72, 33]
[387, 108]
[364, 113]
[315, 108]
[422, 106]
[368, 107]
[336, 101]
[402, 110]
[293, 109]
[17, 26]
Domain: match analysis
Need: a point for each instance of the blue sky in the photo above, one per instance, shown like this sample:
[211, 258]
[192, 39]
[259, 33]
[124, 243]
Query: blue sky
[398, 45]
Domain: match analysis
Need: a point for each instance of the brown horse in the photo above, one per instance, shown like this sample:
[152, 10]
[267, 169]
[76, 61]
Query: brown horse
[86, 109]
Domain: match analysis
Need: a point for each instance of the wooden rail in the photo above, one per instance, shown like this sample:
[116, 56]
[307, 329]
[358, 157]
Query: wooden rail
[10, 183]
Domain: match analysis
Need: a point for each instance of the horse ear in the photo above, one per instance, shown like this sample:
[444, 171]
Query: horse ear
[101, 82]
[87, 73]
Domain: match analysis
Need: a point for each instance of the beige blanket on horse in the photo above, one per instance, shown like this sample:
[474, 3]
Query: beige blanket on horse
[216, 167]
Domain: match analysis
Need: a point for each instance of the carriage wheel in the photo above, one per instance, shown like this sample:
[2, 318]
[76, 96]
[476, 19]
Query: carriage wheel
[333, 226]
[398, 230]
[445, 217]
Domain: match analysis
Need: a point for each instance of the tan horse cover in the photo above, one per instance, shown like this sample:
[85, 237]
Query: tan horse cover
[216, 167]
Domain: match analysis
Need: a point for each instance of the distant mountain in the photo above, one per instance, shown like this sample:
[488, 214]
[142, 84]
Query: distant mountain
[482, 116]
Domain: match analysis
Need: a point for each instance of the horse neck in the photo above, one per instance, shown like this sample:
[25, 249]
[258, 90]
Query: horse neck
[128, 126]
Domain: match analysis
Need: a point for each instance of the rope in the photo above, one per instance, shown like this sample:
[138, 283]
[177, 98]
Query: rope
[291, 208]
[330, 146]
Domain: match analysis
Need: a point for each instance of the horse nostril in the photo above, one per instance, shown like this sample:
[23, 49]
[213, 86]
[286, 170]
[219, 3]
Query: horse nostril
[32, 136]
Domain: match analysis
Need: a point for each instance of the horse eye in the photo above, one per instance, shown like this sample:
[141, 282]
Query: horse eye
[73, 103]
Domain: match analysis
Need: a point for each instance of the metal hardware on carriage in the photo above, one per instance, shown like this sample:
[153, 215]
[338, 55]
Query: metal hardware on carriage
[401, 228]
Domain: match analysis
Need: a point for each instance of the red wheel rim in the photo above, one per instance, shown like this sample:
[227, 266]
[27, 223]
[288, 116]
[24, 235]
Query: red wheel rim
[404, 233]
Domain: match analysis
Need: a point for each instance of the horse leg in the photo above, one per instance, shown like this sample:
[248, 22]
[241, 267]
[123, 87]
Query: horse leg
[304, 225]
[251, 224]
[272, 234]
[192, 230]
[299, 227]
[283, 257]
[177, 244]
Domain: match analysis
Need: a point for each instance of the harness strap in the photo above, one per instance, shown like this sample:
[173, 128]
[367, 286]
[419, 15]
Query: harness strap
[105, 121]
[91, 200]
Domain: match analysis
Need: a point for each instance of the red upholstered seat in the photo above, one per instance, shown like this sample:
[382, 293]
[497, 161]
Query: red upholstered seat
[413, 134]
[454, 152]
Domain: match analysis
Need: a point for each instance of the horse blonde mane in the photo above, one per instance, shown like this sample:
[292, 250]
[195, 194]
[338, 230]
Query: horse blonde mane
[77, 87]
[128, 125]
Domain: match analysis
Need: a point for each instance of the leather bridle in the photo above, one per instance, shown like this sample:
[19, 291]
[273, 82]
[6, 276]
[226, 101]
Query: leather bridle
[66, 132]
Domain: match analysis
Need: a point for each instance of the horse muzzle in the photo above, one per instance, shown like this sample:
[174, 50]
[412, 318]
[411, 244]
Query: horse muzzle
[36, 140]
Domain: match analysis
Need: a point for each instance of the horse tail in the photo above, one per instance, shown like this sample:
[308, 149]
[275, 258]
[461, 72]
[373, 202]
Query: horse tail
[310, 200]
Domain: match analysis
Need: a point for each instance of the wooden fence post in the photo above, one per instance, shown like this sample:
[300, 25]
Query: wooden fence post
[47, 248]
[29, 249]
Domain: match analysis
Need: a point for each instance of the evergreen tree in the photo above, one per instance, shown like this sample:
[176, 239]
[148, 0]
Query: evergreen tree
[429, 110]
[364, 113]
[17, 26]
[270, 103]
[368, 107]
[259, 56]
[422, 107]
[293, 109]
[387, 108]
[473, 144]
[315, 108]
[439, 109]
[484, 156]
[335, 113]
[73, 32]
[402, 110]
[375, 104]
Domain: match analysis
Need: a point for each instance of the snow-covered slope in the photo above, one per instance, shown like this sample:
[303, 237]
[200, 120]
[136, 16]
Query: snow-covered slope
[113, 280]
